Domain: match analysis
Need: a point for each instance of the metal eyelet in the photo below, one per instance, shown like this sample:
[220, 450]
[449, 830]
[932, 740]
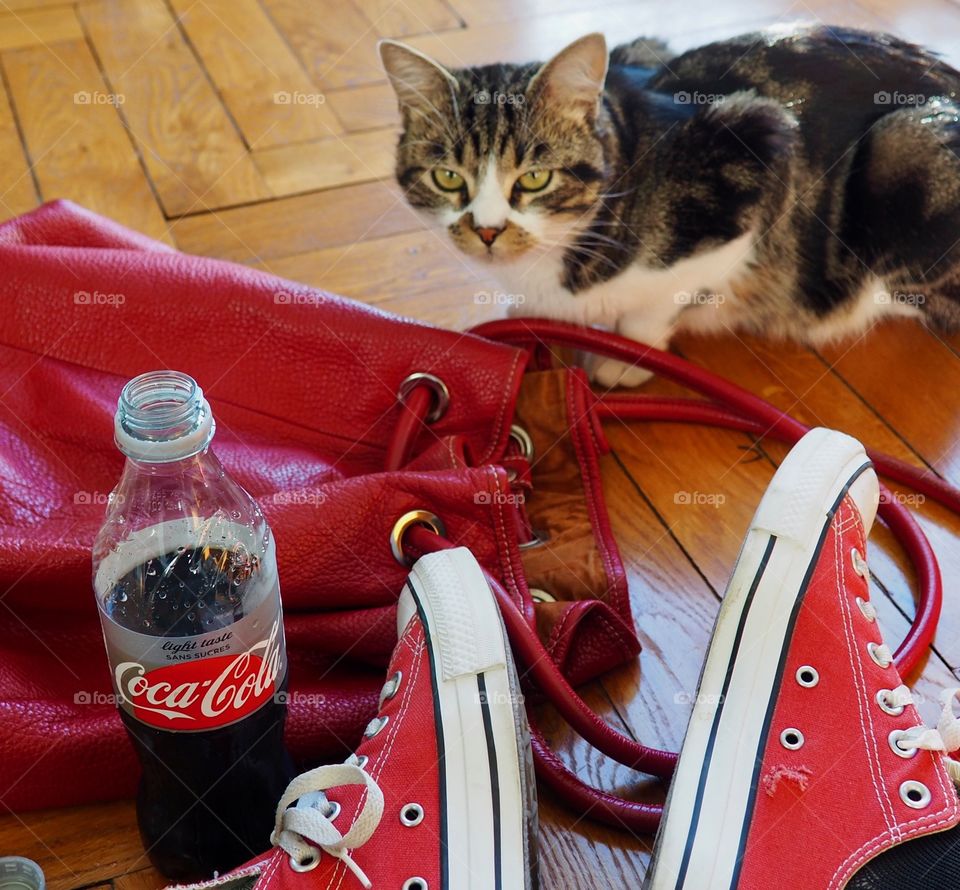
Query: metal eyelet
[414, 517]
[859, 563]
[390, 688]
[791, 739]
[894, 740]
[305, 865]
[523, 439]
[415, 884]
[915, 795]
[536, 541]
[333, 810]
[541, 596]
[375, 726]
[880, 660]
[411, 814]
[808, 676]
[885, 706]
[439, 389]
[867, 609]
[362, 761]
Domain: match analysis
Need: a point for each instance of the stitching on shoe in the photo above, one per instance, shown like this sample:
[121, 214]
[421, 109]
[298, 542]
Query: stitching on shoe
[873, 754]
[877, 844]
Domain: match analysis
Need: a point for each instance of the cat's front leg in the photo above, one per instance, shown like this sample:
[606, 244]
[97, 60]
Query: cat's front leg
[644, 327]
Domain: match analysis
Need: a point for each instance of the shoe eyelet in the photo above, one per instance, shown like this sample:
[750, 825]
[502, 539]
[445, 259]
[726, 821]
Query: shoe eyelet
[415, 884]
[362, 761]
[390, 688]
[808, 676]
[791, 739]
[885, 706]
[308, 864]
[867, 609]
[411, 814]
[333, 810]
[915, 795]
[375, 726]
[859, 563]
[878, 658]
[894, 739]
[541, 596]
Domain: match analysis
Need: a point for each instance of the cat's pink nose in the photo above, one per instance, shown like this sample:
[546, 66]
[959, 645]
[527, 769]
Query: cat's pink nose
[487, 234]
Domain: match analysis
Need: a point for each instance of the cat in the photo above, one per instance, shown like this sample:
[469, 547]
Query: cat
[798, 182]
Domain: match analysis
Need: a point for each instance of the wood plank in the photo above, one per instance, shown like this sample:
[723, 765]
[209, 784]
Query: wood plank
[76, 141]
[365, 108]
[142, 879]
[686, 26]
[190, 146]
[255, 71]
[402, 18]
[18, 193]
[299, 224]
[76, 846]
[397, 266]
[342, 160]
[336, 42]
[37, 27]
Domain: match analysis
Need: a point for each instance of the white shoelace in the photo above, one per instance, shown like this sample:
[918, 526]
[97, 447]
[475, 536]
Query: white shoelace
[945, 737]
[304, 830]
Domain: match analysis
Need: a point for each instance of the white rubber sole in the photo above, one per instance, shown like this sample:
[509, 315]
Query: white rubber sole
[488, 839]
[708, 809]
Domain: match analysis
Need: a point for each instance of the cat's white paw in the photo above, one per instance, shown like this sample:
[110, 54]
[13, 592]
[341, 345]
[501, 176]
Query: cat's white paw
[610, 372]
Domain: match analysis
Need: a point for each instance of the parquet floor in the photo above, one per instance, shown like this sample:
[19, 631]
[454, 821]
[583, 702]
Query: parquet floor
[172, 117]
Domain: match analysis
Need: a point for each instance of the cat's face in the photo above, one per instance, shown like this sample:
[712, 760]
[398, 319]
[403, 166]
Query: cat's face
[506, 158]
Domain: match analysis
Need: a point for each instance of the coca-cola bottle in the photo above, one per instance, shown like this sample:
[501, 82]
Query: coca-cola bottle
[185, 575]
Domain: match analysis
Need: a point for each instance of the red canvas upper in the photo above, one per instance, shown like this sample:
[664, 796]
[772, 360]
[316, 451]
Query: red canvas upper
[823, 810]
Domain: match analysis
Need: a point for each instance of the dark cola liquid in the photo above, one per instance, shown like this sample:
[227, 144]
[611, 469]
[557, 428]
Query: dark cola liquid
[207, 799]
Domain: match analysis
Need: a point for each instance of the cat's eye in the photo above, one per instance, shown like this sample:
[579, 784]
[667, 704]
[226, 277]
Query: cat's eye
[448, 180]
[535, 180]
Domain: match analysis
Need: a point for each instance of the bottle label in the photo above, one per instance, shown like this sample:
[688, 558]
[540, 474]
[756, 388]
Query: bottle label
[199, 682]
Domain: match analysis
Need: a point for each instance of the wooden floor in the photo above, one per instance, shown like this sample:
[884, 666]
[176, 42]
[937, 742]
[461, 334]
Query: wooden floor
[169, 115]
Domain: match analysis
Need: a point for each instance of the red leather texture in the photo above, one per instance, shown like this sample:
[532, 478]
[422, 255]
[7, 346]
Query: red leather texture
[304, 389]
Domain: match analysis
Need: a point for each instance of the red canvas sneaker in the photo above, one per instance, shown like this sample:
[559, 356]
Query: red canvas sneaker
[440, 793]
[805, 766]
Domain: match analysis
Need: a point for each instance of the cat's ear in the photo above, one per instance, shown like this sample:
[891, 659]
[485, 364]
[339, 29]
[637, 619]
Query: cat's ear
[421, 84]
[571, 83]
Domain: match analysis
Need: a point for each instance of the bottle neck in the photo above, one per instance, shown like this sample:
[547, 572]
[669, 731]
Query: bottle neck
[163, 418]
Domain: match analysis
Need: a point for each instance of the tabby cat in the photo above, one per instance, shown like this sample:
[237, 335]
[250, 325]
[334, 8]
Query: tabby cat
[796, 182]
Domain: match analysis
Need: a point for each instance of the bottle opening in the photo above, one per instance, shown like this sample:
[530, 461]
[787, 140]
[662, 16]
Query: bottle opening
[162, 416]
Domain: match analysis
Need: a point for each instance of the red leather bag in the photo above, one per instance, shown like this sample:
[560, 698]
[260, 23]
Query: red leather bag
[367, 439]
[318, 405]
